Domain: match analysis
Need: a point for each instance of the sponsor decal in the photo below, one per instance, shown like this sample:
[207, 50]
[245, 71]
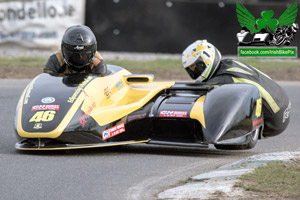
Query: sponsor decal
[83, 118]
[27, 95]
[267, 31]
[78, 90]
[48, 100]
[173, 113]
[113, 131]
[79, 47]
[120, 85]
[257, 122]
[286, 113]
[91, 105]
[45, 107]
[38, 126]
[258, 107]
[43, 116]
[107, 92]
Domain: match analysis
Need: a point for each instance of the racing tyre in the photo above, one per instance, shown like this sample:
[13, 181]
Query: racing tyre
[252, 142]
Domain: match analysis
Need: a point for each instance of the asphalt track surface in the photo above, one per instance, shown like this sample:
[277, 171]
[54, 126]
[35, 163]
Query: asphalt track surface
[125, 172]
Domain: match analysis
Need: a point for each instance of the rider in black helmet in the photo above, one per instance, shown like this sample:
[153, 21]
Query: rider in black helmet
[78, 54]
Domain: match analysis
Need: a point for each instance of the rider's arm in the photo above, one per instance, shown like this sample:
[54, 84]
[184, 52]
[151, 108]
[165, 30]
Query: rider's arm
[54, 63]
[99, 66]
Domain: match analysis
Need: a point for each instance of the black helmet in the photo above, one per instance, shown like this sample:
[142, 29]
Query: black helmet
[78, 46]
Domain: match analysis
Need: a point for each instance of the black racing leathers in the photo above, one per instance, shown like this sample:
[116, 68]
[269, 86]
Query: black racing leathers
[276, 104]
[57, 66]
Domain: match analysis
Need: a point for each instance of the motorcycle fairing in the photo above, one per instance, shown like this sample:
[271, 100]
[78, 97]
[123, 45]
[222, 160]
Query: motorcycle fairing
[181, 114]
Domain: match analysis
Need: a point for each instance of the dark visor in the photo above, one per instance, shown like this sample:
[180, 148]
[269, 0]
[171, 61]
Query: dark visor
[196, 69]
[78, 58]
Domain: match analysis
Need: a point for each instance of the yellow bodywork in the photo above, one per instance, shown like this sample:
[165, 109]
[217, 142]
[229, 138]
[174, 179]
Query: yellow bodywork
[105, 99]
[122, 100]
[85, 146]
[197, 111]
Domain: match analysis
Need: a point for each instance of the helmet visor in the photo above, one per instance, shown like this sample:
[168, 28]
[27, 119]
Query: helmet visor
[78, 58]
[195, 70]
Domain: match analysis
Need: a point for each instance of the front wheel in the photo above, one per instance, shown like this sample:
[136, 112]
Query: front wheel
[253, 137]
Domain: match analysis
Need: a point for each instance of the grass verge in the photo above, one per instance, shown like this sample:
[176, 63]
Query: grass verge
[276, 179]
[157, 64]
[171, 69]
[23, 62]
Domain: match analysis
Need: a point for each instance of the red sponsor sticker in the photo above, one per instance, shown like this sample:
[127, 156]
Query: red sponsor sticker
[45, 107]
[113, 131]
[83, 118]
[257, 121]
[167, 113]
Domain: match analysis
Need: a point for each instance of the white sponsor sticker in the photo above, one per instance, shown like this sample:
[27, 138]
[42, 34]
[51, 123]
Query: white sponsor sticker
[168, 113]
[286, 113]
[113, 131]
[48, 100]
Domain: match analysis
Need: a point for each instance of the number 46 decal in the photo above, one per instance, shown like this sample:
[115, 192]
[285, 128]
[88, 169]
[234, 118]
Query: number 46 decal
[44, 116]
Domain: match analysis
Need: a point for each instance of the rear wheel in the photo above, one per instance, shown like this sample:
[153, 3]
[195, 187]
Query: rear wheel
[252, 142]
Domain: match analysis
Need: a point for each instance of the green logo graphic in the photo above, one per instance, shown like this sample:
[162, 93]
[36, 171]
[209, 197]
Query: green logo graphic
[267, 31]
[246, 19]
